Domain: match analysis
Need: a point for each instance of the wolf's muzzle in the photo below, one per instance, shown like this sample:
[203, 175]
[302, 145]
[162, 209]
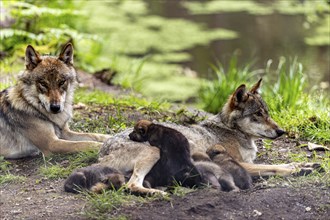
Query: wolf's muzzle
[55, 108]
[280, 132]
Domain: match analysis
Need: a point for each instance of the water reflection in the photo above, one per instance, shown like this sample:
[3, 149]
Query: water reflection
[261, 37]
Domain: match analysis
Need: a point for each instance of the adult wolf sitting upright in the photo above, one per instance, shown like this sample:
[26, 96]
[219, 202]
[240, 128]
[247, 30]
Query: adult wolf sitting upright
[34, 113]
[243, 119]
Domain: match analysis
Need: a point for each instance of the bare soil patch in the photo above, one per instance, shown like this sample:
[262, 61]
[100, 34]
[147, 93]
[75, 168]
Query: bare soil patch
[41, 198]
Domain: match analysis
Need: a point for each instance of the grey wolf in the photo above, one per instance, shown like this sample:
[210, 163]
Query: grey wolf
[34, 114]
[242, 120]
[95, 179]
[175, 164]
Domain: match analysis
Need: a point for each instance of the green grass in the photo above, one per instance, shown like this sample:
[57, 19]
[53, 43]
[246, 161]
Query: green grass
[99, 206]
[134, 100]
[310, 120]
[290, 85]
[6, 176]
[61, 166]
[214, 93]
[11, 178]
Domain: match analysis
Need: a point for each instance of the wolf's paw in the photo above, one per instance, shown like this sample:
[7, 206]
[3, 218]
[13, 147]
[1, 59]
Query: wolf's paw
[102, 137]
[142, 191]
[303, 169]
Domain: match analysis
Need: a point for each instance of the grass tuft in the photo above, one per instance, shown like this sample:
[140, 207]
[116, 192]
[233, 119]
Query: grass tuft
[10, 178]
[61, 166]
[100, 206]
[214, 94]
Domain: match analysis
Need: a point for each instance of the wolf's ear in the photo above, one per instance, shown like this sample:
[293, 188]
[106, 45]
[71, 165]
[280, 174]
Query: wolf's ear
[67, 54]
[32, 58]
[256, 87]
[240, 94]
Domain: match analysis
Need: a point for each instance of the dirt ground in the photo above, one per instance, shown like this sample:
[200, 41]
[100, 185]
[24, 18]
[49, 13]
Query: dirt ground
[287, 198]
[41, 198]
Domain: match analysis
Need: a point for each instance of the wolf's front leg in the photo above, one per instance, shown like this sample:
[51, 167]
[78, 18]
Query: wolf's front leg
[296, 169]
[67, 134]
[141, 169]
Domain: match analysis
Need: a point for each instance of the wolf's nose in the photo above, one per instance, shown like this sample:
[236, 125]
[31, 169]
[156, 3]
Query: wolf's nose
[55, 108]
[280, 132]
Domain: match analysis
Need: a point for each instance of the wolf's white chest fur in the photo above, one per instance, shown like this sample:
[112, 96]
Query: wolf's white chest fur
[249, 154]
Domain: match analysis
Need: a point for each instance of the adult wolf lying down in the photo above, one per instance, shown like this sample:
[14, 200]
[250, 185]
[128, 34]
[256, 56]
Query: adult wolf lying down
[243, 119]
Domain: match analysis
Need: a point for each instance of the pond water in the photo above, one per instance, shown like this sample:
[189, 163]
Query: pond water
[261, 37]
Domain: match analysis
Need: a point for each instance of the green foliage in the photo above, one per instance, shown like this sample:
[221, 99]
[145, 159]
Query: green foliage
[178, 190]
[215, 6]
[4, 164]
[253, 7]
[309, 120]
[214, 94]
[6, 176]
[134, 100]
[10, 178]
[300, 114]
[100, 205]
[322, 33]
[46, 23]
[288, 89]
[61, 166]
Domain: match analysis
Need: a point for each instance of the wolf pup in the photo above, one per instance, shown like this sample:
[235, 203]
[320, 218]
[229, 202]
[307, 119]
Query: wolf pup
[242, 120]
[34, 114]
[175, 162]
[218, 154]
[95, 179]
[223, 172]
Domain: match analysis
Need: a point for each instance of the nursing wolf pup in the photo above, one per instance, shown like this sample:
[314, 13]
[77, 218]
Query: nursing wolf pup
[34, 114]
[175, 164]
[242, 120]
[95, 179]
[218, 154]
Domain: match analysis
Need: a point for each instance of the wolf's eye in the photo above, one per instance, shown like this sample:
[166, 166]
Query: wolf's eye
[142, 131]
[259, 113]
[43, 85]
[61, 83]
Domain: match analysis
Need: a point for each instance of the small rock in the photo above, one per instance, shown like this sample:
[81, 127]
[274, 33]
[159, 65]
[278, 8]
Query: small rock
[15, 212]
[312, 146]
[256, 213]
[79, 105]
[308, 209]
[65, 163]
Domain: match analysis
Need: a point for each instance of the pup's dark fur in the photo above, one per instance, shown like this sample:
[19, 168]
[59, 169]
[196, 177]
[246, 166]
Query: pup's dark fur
[215, 176]
[219, 155]
[175, 162]
[95, 179]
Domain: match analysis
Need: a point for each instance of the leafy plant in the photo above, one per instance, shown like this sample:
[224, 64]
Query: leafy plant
[213, 94]
[45, 23]
[289, 87]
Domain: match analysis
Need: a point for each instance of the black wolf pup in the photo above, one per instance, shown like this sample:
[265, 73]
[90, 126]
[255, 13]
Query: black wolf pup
[94, 178]
[175, 162]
